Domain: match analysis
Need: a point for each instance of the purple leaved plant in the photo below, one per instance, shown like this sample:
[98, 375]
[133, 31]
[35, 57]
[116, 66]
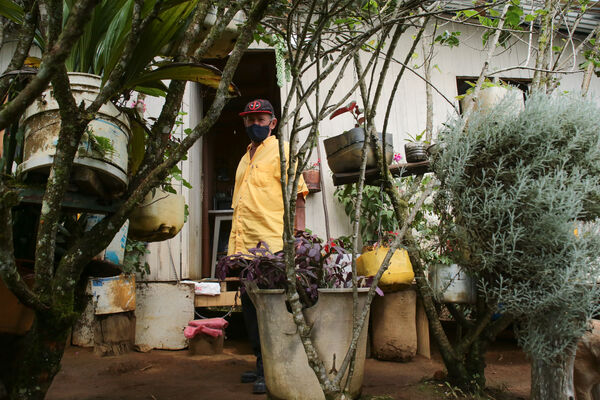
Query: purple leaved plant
[317, 266]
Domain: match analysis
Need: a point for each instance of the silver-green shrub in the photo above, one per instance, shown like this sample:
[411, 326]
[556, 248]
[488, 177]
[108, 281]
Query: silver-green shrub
[515, 185]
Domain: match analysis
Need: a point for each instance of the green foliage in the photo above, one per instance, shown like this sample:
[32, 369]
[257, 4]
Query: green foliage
[449, 39]
[514, 185]
[135, 257]
[377, 214]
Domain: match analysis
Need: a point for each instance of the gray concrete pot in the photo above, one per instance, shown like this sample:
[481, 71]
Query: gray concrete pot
[287, 373]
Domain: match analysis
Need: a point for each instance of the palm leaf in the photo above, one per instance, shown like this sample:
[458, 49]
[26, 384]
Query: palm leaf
[154, 37]
[201, 73]
[12, 11]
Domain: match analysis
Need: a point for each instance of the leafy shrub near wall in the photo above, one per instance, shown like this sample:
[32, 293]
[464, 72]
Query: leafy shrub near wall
[518, 200]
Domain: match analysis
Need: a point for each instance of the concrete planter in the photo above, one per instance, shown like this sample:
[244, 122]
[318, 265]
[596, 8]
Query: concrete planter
[344, 151]
[287, 373]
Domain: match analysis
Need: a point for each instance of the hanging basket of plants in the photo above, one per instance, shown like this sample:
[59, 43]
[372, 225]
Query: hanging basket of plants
[344, 152]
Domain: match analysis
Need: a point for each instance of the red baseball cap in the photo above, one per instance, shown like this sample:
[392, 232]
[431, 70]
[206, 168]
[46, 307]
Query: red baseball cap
[257, 106]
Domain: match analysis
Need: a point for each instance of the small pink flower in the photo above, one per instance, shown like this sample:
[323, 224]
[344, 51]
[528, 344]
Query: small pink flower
[397, 157]
[139, 105]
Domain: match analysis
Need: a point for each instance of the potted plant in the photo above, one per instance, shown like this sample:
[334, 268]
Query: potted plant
[344, 151]
[312, 177]
[324, 288]
[415, 149]
[490, 95]
[100, 166]
[163, 212]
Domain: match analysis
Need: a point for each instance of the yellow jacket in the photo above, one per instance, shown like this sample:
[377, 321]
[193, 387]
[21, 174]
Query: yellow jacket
[257, 199]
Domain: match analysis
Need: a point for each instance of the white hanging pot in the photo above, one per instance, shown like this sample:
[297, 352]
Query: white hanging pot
[159, 217]
[451, 284]
[490, 96]
[103, 147]
[226, 41]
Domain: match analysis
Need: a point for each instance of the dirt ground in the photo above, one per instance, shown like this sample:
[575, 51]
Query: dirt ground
[160, 375]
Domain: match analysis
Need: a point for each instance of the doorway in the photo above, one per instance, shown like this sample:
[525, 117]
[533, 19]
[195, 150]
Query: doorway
[224, 146]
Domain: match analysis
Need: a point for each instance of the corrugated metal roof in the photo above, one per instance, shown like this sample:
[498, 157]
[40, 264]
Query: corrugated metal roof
[590, 20]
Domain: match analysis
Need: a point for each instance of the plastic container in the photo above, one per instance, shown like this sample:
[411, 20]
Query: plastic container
[103, 147]
[451, 284]
[399, 271]
[344, 151]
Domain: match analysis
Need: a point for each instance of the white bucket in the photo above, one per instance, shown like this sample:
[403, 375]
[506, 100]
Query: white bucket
[451, 284]
[41, 122]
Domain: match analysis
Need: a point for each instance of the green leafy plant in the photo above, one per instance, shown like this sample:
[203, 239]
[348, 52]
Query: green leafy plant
[134, 260]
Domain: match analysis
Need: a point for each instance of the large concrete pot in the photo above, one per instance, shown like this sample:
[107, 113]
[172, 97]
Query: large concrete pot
[41, 122]
[159, 217]
[344, 151]
[287, 373]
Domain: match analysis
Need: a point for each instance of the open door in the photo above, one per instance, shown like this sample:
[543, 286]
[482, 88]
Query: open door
[224, 146]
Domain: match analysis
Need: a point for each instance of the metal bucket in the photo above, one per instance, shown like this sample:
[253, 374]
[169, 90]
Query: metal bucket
[41, 123]
[344, 151]
[451, 284]
[287, 373]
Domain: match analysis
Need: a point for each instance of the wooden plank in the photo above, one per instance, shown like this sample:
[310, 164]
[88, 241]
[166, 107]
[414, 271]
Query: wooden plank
[372, 175]
[224, 299]
[423, 345]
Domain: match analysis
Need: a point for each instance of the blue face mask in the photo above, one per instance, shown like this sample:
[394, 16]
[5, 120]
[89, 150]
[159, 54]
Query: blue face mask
[257, 133]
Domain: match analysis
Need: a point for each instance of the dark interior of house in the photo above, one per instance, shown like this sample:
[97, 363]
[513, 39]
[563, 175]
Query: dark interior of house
[225, 144]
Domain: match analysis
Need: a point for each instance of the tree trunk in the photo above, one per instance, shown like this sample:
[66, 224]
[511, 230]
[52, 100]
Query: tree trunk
[476, 365]
[38, 359]
[553, 379]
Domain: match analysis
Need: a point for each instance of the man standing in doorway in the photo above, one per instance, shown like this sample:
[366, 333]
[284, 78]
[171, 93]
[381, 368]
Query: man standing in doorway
[258, 208]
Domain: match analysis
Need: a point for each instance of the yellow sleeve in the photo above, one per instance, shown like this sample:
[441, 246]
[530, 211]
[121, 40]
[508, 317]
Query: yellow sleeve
[302, 188]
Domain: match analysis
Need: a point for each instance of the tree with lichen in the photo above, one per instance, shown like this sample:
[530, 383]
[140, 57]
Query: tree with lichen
[31, 362]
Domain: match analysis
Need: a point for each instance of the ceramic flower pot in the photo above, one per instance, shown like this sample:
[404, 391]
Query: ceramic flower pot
[415, 152]
[490, 96]
[451, 284]
[312, 178]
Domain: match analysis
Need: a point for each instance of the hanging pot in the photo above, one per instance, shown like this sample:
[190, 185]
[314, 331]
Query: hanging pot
[159, 217]
[451, 284]
[103, 147]
[490, 96]
[312, 178]
[415, 152]
[344, 151]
